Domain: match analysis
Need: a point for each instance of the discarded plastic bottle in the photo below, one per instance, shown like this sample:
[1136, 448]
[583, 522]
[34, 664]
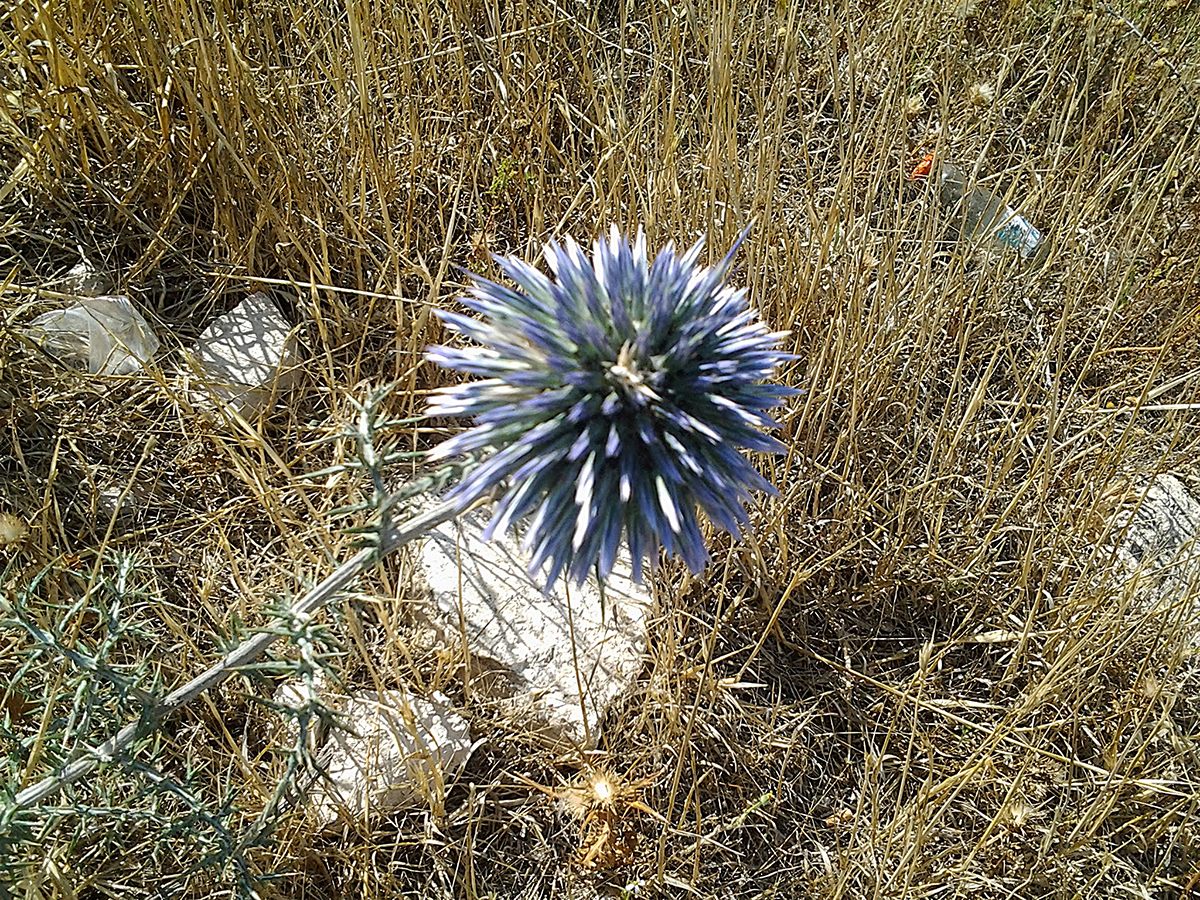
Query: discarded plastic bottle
[981, 212]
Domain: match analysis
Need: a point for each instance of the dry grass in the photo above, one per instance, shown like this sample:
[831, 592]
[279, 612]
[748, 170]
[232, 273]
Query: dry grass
[911, 680]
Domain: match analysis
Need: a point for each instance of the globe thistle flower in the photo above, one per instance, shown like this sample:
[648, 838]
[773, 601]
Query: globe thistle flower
[614, 398]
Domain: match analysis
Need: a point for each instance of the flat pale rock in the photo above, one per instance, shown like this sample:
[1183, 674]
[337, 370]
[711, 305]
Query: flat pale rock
[524, 652]
[84, 280]
[394, 752]
[1158, 546]
[123, 504]
[244, 358]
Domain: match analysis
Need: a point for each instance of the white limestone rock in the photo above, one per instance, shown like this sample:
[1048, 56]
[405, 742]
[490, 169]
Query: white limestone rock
[1158, 547]
[84, 280]
[524, 653]
[123, 504]
[246, 357]
[394, 752]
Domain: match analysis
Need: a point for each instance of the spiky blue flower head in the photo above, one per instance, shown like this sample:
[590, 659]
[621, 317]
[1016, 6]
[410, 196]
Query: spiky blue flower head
[614, 399]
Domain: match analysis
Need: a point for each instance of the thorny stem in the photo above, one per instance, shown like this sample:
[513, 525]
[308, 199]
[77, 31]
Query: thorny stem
[392, 537]
[1117, 14]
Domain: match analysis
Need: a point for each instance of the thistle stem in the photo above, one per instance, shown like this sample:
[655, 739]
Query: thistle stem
[392, 537]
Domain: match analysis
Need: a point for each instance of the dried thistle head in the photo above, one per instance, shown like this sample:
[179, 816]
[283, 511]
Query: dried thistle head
[982, 93]
[595, 792]
[12, 529]
[607, 807]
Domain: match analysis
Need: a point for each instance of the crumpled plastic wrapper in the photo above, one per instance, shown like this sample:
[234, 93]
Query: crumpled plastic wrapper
[107, 334]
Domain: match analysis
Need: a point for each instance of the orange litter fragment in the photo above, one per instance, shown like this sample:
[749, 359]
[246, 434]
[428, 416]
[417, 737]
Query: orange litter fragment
[924, 167]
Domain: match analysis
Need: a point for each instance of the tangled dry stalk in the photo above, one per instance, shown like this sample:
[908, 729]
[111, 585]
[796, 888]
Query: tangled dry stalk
[914, 676]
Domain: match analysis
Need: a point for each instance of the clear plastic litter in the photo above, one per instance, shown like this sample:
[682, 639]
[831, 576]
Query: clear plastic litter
[107, 334]
[978, 212]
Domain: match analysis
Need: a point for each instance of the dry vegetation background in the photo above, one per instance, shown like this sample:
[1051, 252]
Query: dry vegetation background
[912, 679]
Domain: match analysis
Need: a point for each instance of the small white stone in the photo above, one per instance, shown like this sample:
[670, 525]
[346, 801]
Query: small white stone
[246, 357]
[528, 652]
[1158, 546]
[122, 504]
[84, 281]
[393, 752]
[296, 694]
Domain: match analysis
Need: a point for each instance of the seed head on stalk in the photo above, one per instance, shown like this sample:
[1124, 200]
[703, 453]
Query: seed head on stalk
[614, 398]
